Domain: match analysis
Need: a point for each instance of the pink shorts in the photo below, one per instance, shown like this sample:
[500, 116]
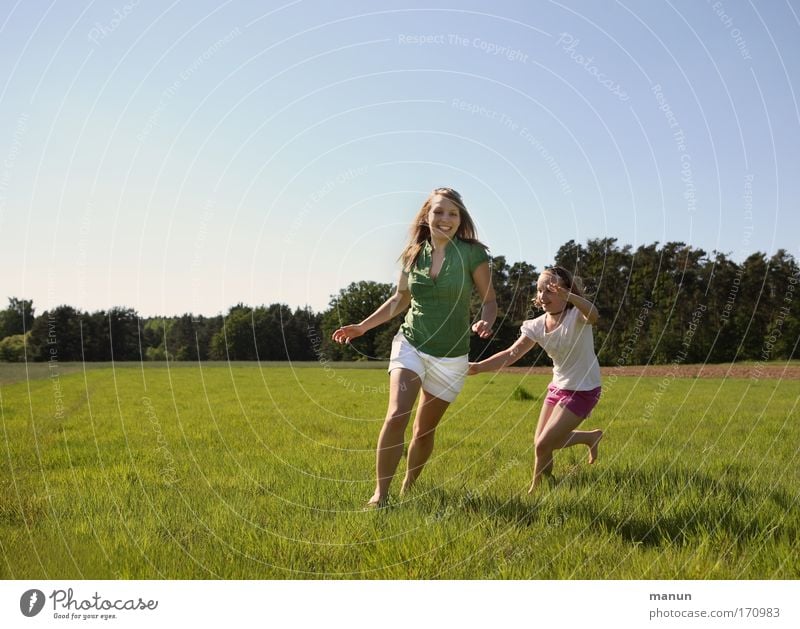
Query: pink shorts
[579, 402]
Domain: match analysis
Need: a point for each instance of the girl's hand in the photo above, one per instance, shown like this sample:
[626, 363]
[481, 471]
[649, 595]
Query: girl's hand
[347, 333]
[473, 369]
[559, 290]
[482, 329]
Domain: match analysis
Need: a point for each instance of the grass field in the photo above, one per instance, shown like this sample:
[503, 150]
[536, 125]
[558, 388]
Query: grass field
[247, 473]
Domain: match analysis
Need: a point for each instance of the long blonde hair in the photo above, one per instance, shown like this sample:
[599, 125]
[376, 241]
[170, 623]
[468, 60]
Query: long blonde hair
[571, 282]
[420, 231]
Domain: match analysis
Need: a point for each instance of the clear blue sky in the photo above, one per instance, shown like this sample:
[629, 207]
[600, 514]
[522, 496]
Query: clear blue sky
[188, 156]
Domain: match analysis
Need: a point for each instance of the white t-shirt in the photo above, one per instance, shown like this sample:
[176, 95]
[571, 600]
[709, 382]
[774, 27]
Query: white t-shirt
[571, 346]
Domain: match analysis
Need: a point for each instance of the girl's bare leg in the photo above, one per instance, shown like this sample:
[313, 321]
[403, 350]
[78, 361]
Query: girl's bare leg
[429, 412]
[544, 417]
[590, 438]
[558, 433]
[404, 385]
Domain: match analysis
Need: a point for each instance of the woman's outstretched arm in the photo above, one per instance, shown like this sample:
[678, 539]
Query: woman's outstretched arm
[395, 305]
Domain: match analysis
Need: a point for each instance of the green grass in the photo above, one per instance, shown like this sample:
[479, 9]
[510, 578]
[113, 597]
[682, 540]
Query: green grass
[248, 473]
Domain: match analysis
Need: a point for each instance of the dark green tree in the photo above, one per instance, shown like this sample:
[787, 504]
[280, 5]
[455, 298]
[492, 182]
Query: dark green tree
[352, 305]
[754, 312]
[783, 287]
[299, 333]
[124, 334]
[17, 318]
[186, 338]
[273, 332]
[236, 339]
[94, 330]
[56, 335]
[723, 299]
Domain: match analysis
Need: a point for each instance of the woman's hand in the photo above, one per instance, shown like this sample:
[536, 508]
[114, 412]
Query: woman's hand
[474, 369]
[482, 329]
[347, 333]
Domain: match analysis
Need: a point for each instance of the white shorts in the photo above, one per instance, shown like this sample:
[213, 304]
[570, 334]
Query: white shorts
[441, 377]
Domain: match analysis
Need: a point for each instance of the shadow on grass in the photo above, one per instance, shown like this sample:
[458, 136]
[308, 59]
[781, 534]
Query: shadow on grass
[668, 506]
[521, 511]
[658, 507]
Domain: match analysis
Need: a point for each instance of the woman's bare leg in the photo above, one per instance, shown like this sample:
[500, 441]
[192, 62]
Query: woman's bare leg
[404, 386]
[429, 412]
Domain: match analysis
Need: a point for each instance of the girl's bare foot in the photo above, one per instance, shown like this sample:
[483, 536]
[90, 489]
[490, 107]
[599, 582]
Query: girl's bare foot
[593, 448]
[537, 480]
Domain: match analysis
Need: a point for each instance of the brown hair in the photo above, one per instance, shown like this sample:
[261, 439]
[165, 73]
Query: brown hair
[420, 231]
[573, 283]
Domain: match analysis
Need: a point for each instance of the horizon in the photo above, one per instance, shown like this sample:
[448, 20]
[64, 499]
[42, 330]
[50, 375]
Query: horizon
[295, 307]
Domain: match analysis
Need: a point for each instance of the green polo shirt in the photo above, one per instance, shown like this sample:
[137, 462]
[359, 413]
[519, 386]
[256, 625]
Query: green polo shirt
[438, 321]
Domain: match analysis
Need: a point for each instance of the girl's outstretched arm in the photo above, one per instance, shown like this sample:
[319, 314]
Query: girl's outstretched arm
[389, 309]
[505, 358]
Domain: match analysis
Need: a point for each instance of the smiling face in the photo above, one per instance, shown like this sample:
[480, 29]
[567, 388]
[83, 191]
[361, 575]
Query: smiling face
[443, 218]
[549, 299]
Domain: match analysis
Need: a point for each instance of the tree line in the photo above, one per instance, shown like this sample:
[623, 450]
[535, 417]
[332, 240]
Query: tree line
[658, 304]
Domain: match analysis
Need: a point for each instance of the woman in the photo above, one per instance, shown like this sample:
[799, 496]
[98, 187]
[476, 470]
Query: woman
[442, 262]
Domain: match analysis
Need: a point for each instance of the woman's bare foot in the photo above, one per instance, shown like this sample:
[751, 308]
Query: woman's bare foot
[593, 448]
[377, 502]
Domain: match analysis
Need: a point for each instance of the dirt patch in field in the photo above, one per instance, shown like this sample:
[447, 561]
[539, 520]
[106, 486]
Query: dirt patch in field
[747, 370]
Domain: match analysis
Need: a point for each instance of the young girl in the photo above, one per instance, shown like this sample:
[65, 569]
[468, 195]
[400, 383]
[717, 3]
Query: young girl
[565, 332]
[442, 262]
